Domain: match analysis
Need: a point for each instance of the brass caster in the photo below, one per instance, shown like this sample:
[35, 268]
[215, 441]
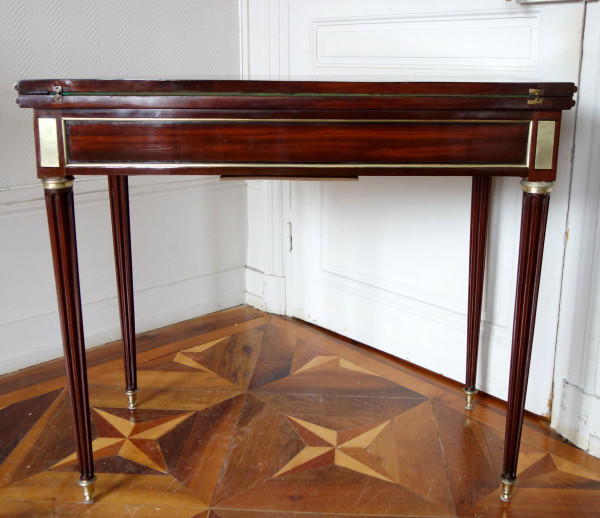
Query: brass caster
[506, 490]
[88, 490]
[132, 395]
[470, 398]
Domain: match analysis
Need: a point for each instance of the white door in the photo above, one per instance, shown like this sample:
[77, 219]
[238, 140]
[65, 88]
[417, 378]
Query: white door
[385, 260]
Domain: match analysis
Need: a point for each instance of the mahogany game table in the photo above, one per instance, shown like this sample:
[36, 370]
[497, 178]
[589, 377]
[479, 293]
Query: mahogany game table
[294, 130]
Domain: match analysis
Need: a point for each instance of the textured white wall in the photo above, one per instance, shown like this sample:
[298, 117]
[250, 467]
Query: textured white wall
[177, 275]
[398, 282]
[576, 405]
[107, 39]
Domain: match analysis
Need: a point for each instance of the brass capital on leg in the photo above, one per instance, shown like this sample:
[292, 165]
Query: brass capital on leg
[132, 395]
[536, 187]
[57, 183]
[506, 490]
[469, 398]
[88, 490]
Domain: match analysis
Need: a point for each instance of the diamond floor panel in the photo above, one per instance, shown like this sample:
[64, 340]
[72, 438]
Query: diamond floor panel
[245, 414]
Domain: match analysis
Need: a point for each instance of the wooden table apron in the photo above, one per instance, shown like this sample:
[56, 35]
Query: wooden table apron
[297, 130]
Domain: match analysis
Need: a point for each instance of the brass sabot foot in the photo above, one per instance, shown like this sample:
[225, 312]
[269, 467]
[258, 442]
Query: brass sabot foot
[88, 490]
[470, 398]
[132, 395]
[506, 491]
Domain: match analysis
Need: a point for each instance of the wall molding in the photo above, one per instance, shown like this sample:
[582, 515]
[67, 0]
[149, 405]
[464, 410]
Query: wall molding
[30, 333]
[266, 56]
[95, 189]
[218, 291]
[404, 42]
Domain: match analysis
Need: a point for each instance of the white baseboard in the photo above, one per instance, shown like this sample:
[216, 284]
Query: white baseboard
[265, 292]
[177, 275]
[577, 418]
[184, 300]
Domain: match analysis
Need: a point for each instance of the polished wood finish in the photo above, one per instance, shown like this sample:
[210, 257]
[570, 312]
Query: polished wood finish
[118, 189]
[288, 142]
[131, 94]
[480, 208]
[405, 446]
[304, 130]
[61, 223]
[291, 88]
[451, 138]
[533, 231]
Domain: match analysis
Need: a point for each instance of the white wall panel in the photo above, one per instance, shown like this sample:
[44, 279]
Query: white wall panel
[489, 41]
[189, 235]
[576, 408]
[188, 250]
[385, 261]
[108, 39]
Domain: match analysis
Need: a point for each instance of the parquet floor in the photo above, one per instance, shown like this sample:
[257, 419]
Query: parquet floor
[244, 414]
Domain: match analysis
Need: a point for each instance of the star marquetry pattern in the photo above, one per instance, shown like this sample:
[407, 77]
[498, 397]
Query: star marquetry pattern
[186, 356]
[327, 447]
[134, 441]
[324, 362]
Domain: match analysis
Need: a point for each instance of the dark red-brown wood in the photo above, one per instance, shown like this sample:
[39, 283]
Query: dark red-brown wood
[118, 188]
[94, 93]
[290, 142]
[61, 223]
[480, 202]
[327, 123]
[533, 231]
[292, 88]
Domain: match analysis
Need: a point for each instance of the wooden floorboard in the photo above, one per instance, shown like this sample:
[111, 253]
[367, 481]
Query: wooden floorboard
[245, 414]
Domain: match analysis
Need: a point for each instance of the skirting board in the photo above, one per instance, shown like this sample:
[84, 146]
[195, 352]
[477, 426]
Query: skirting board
[198, 270]
[578, 422]
[265, 292]
[186, 299]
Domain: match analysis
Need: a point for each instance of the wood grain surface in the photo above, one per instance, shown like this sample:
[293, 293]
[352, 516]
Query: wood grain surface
[244, 414]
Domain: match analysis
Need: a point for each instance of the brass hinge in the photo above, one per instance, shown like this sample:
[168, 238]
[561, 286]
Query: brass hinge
[57, 93]
[538, 96]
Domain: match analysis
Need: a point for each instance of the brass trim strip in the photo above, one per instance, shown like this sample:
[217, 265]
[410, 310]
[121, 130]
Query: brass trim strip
[209, 165]
[544, 148]
[536, 187]
[225, 119]
[527, 154]
[57, 183]
[48, 138]
[204, 165]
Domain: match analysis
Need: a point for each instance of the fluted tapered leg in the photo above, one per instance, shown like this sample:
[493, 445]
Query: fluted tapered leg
[480, 202]
[119, 207]
[61, 222]
[536, 197]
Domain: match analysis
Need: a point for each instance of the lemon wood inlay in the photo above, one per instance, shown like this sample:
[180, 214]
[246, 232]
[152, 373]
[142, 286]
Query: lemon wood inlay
[351, 455]
[137, 442]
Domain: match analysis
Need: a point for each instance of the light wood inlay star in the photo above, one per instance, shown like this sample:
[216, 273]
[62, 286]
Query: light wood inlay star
[345, 453]
[135, 441]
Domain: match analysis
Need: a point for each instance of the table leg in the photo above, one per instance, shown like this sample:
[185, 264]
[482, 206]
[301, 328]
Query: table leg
[61, 221]
[536, 197]
[118, 189]
[480, 202]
